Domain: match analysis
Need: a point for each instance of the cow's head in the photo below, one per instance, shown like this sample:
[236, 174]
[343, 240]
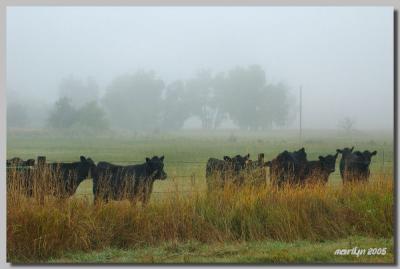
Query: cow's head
[366, 157]
[84, 167]
[156, 167]
[241, 161]
[238, 162]
[227, 159]
[300, 155]
[328, 162]
[345, 151]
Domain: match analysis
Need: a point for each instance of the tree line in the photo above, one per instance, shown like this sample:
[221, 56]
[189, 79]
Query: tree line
[143, 102]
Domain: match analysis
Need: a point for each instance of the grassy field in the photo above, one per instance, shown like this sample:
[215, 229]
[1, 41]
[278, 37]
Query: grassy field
[186, 153]
[184, 224]
[263, 252]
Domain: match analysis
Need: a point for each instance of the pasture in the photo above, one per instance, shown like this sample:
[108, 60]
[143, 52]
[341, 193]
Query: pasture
[186, 153]
[180, 210]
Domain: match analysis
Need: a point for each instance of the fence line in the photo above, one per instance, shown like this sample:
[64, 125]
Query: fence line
[202, 163]
[192, 176]
[193, 184]
[382, 172]
[178, 162]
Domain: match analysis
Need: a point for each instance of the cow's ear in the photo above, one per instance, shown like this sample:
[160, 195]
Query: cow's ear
[83, 159]
[162, 158]
[351, 150]
[226, 158]
[147, 160]
[247, 156]
[302, 149]
[339, 151]
[373, 153]
[321, 158]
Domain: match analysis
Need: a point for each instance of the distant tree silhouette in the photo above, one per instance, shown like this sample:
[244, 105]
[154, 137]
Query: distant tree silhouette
[134, 101]
[175, 106]
[63, 114]
[91, 116]
[78, 91]
[250, 101]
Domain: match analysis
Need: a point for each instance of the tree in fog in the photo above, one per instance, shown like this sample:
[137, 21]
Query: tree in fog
[79, 91]
[175, 108]
[204, 100]
[250, 101]
[17, 115]
[63, 115]
[88, 117]
[276, 107]
[91, 117]
[347, 124]
[134, 101]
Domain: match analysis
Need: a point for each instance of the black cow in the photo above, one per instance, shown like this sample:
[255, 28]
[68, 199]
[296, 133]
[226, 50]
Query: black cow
[346, 153]
[69, 175]
[134, 182]
[58, 179]
[20, 175]
[354, 166]
[318, 172]
[220, 172]
[288, 168]
[19, 162]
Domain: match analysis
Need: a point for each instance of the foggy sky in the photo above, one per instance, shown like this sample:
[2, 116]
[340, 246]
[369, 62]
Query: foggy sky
[342, 56]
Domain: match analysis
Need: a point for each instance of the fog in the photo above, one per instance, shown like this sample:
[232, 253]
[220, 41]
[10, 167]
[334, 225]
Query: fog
[341, 56]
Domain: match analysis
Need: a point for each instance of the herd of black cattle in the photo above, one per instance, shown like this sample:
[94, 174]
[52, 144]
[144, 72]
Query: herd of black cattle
[135, 182]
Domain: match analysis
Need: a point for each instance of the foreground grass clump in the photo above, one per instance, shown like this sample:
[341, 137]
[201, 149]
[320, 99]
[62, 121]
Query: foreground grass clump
[40, 229]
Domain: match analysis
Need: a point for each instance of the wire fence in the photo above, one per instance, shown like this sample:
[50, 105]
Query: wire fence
[383, 155]
[384, 164]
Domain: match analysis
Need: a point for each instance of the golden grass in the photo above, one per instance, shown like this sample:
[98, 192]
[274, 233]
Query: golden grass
[42, 227]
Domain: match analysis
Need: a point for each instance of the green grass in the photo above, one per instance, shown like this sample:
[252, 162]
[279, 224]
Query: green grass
[187, 152]
[264, 252]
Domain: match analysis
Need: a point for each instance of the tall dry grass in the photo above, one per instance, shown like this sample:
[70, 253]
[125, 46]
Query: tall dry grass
[40, 227]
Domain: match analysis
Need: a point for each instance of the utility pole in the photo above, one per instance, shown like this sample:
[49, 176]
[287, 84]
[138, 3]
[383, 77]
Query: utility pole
[300, 113]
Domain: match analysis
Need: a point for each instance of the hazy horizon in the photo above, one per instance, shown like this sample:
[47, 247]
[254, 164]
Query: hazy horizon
[341, 56]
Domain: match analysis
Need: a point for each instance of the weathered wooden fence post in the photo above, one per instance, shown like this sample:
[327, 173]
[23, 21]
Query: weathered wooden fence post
[193, 179]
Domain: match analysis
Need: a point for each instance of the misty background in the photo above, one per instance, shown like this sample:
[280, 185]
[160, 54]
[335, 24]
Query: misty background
[168, 68]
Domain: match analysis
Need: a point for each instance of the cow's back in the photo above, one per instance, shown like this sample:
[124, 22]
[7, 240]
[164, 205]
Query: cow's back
[314, 173]
[215, 173]
[214, 165]
[350, 167]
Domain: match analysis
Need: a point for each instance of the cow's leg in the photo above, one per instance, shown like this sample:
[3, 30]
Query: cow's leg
[145, 193]
[150, 191]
